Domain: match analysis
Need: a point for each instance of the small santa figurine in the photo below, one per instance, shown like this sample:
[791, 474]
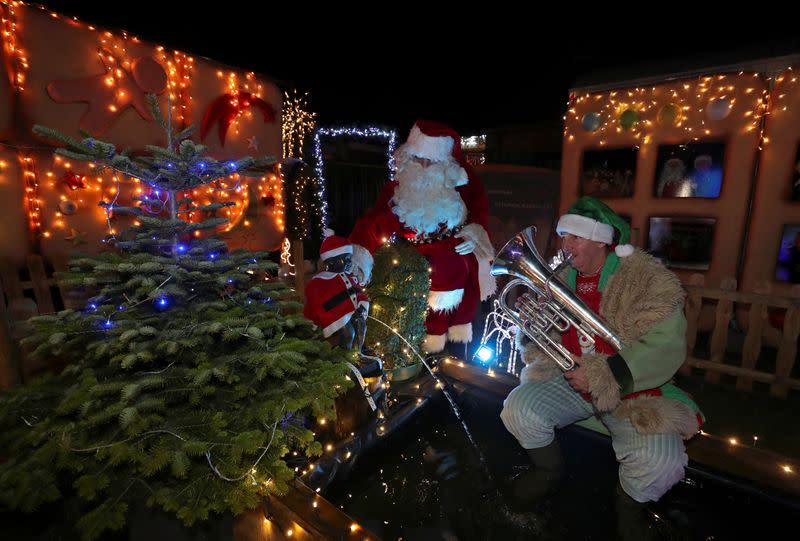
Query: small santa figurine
[335, 301]
[436, 203]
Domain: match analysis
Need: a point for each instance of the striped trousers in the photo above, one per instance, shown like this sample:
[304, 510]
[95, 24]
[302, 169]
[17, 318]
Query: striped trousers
[649, 464]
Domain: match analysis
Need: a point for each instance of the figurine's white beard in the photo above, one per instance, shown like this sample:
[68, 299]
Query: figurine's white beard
[425, 197]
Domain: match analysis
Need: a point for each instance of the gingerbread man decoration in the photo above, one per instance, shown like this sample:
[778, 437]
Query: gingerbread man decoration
[111, 93]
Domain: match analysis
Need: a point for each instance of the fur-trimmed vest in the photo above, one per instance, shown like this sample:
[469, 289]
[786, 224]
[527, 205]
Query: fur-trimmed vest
[642, 304]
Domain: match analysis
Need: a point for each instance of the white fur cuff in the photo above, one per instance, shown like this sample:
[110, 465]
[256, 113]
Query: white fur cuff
[434, 343]
[461, 334]
[445, 300]
[603, 386]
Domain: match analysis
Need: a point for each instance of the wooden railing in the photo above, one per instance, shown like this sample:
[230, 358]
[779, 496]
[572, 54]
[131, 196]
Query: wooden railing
[757, 314]
[26, 292]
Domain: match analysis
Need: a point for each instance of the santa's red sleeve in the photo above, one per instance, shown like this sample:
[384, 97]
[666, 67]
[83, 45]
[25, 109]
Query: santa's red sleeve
[477, 202]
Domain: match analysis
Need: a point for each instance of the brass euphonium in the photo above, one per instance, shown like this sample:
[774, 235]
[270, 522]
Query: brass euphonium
[551, 305]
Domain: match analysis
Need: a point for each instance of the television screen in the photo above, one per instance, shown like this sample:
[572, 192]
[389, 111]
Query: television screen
[682, 242]
[788, 265]
[608, 172]
[690, 170]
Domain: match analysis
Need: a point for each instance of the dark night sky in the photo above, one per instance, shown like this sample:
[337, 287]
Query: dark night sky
[390, 74]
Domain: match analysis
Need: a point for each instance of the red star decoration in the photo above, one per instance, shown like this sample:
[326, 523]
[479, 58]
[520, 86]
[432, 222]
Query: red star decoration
[227, 107]
[73, 180]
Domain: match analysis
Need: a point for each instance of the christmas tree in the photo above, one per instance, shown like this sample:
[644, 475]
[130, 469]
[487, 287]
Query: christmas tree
[189, 372]
[398, 295]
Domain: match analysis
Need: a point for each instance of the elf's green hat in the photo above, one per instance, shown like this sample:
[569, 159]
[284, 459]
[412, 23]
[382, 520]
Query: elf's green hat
[592, 219]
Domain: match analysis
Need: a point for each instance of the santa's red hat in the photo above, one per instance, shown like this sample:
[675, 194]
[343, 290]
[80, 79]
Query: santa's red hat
[436, 142]
[433, 141]
[334, 245]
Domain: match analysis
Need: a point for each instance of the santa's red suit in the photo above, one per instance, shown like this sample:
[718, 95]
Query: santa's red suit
[333, 297]
[446, 209]
[331, 300]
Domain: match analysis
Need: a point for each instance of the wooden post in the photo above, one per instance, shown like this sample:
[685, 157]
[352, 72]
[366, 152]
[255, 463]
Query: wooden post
[787, 351]
[694, 302]
[719, 337]
[9, 353]
[71, 298]
[9, 349]
[41, 287]
[752, 342]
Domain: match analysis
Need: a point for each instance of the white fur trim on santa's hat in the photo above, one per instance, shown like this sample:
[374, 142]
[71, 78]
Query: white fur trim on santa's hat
[586, 228]
[333, 245]
[433, 343]
[346, 249]
[624, 250]
[461, 334]
[437, 149]
[445, 300]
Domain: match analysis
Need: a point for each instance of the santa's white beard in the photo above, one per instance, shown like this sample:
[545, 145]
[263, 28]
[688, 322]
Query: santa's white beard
[425, 197]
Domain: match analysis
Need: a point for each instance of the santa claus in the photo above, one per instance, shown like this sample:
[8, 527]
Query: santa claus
[438, 204]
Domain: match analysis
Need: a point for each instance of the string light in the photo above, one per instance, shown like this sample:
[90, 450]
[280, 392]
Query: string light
[14, 53]
[474, 147]
[234, 87]
[32, 195]
[179, 67]
[296, 122]
[114, 51]
[687, 106]
[286, 255]
[503, 329]
[390, 136]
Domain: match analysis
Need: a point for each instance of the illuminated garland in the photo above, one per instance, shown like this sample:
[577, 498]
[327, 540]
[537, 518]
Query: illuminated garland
[390, 136]
[692, 107]
[15, 55]
[504, 331]
[32, 195]
[296, 123]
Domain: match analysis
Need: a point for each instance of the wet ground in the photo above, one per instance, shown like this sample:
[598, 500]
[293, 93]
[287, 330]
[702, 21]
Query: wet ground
[425, 482]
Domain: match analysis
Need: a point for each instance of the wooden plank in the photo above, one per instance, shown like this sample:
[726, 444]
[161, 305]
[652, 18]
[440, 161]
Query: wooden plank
[787, 353]
[9, 351]
[324, 521]
[694, 302]
[747, 298]
[752, 341]
[41, 288]
[10, 357]
[732, 370]
[498, 382]
[9, 274]
[719, 337]
[252, 526]
[71, 299]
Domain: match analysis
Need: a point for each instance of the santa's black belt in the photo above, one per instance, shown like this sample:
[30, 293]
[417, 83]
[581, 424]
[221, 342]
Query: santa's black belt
[339, 298]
